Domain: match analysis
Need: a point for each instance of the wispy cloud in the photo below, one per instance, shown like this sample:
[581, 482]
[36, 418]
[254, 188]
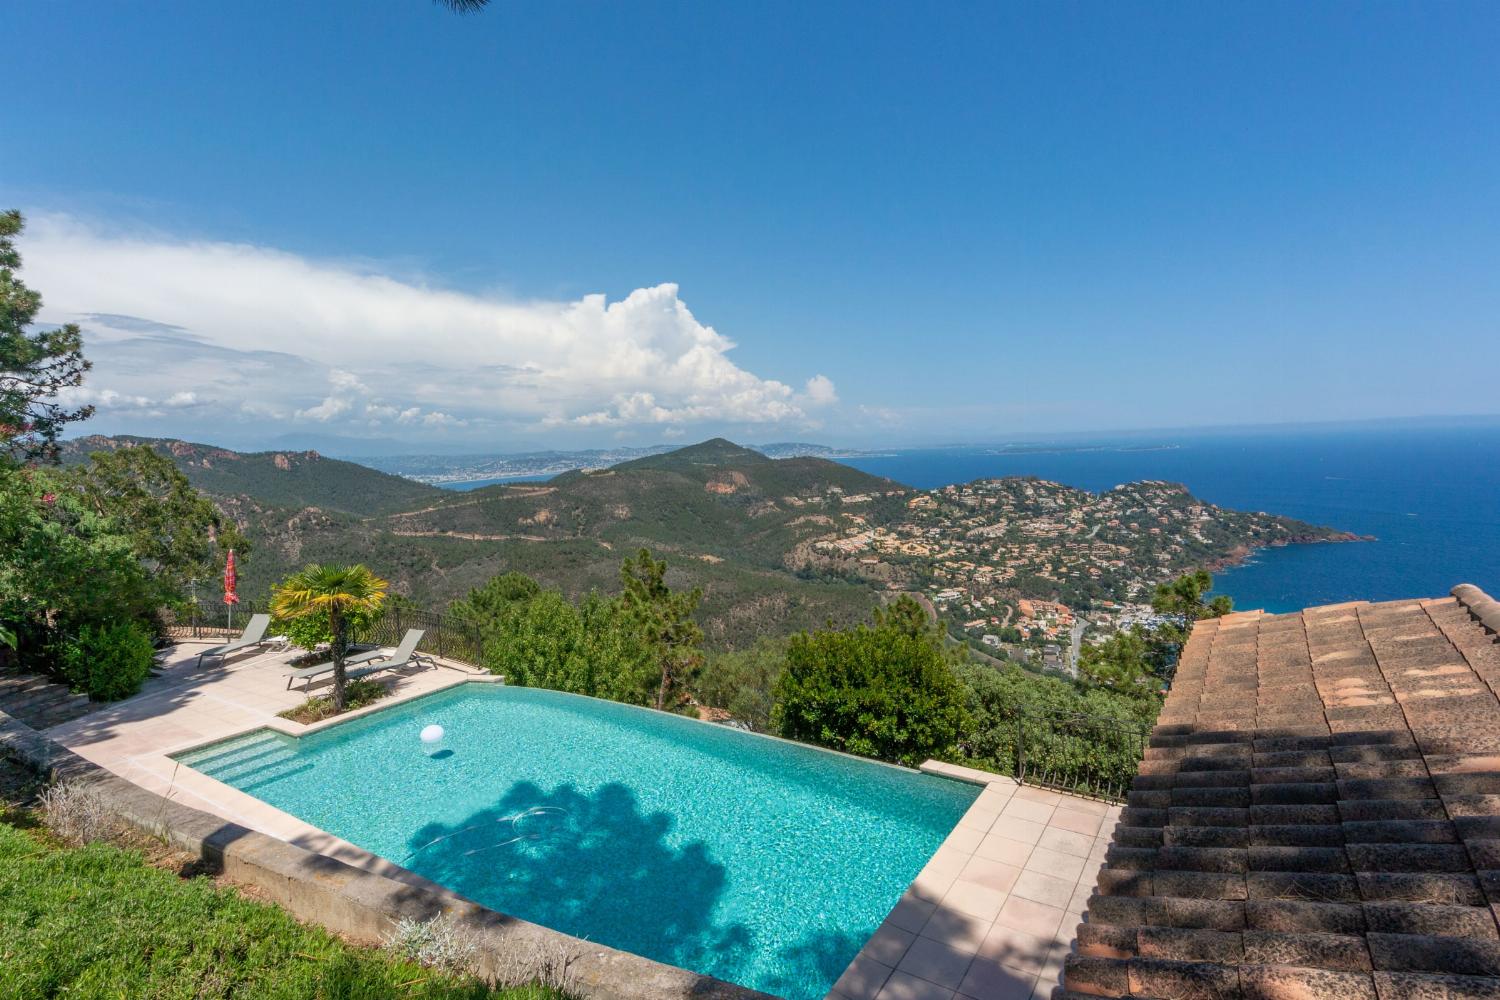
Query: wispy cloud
[261, 334]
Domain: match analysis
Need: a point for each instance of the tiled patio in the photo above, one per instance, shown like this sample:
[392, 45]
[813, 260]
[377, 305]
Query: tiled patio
[186, 706]
[992, 915]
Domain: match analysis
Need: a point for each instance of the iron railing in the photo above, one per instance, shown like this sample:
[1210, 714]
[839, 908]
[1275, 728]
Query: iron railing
[446, 636]
[207, 620]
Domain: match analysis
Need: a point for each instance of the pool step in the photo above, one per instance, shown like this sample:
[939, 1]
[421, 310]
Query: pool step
[251, 762]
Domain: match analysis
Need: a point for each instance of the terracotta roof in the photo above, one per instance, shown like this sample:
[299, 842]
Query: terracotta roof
[1318, 814]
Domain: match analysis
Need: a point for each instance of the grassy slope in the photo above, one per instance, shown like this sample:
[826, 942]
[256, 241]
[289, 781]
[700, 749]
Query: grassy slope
[99, 922]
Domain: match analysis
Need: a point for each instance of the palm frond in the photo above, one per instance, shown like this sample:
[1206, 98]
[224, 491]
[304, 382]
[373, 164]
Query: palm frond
[463, 6]
[318, 588]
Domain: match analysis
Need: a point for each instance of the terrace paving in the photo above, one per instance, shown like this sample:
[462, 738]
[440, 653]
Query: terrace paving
[1318, 815]
[991, 915]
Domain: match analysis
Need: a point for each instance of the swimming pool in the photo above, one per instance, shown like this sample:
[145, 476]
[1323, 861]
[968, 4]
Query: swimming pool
[758, 861]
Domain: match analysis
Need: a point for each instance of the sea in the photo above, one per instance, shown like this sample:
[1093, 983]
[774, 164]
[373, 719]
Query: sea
[1430, 497]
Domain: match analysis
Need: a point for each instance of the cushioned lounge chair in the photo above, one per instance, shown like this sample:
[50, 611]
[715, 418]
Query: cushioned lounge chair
[254, 636]
[367, 663]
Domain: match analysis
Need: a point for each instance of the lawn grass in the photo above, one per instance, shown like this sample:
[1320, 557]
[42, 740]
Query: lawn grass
[99, 921]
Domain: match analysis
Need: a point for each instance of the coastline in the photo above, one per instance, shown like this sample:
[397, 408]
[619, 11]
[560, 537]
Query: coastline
[1242, 554]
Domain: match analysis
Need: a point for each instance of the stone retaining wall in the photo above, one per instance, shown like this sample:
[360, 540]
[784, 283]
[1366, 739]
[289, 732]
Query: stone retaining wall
[363, 905]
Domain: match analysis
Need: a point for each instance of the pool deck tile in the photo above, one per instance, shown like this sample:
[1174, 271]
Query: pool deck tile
[1015, 875]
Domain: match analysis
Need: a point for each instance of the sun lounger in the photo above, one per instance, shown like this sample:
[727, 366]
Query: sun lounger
[367, 663]
[253, 636]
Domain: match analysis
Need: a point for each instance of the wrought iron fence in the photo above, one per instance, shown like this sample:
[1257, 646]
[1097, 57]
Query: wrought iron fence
[1091, 754]
[446, 636]
[443, 635]
[208, 620]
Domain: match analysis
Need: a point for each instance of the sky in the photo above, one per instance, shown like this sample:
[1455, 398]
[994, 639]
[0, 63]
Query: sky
[380, 226]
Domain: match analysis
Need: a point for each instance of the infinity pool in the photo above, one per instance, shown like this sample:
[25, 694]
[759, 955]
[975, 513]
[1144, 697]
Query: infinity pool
[761, 862]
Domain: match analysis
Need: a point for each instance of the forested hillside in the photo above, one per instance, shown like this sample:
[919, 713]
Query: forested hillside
[276, 478]
[776, 545]
[724, 517]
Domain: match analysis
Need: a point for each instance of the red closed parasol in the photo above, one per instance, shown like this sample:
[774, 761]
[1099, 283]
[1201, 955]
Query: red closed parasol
[230, 580]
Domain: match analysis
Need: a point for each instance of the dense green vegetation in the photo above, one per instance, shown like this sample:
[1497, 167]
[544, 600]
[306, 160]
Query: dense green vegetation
[892, 689]
[99, 922]
[883, 690]
[1077, 734]
[90, 556]
[109, 661]
[742, 682]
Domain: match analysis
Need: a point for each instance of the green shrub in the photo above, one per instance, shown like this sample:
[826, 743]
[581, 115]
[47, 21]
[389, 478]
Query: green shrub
[108, 661]
[357, 694]
[743, 682]
[886, 691]
[588, 648]
[312, 631]
[1076, 735]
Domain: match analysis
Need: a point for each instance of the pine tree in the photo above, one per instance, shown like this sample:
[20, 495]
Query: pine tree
[665, 621]
[34, 367]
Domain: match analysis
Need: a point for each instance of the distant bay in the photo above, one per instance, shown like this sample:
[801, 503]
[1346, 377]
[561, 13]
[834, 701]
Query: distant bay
[464, 485]
[1430, 496]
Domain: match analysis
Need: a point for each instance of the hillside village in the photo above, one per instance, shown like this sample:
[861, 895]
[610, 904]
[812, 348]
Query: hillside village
[1017, 561]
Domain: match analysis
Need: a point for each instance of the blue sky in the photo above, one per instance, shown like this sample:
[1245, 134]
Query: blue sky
[914, 222]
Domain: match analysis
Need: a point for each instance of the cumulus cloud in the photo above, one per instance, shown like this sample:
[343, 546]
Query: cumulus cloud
[271, 335]
[125, 402]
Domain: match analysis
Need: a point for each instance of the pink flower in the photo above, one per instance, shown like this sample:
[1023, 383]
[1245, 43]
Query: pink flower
[49, 499]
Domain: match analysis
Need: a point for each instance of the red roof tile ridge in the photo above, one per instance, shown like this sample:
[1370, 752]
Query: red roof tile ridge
[1479, 604]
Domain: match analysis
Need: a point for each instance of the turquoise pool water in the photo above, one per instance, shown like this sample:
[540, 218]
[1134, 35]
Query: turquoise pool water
[757, 861]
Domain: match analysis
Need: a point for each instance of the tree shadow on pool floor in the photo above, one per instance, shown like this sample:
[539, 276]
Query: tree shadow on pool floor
[593, 866]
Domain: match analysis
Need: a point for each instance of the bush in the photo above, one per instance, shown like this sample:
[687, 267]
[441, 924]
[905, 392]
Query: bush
[1081, 736]
[357, 694]
[743, 682]
[108, 661]
[591, 648]
[886, 691]
[312, 631]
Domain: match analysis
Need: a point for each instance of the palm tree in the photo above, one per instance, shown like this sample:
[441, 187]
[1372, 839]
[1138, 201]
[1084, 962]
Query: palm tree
[337, 591]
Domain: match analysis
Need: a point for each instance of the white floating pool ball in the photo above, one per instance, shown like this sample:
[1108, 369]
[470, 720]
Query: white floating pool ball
[431, 734]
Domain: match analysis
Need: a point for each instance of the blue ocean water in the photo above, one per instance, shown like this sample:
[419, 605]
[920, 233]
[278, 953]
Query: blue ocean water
[758, 861]
[1431, 497]
[474, 484]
